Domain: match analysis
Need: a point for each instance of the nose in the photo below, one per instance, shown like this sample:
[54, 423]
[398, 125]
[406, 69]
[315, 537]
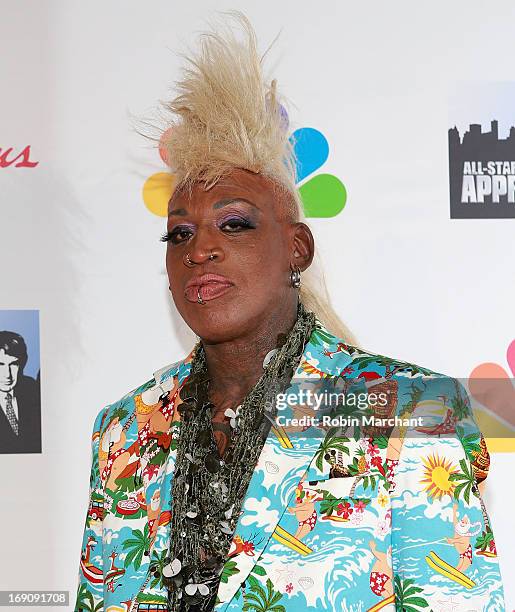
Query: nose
[202, 249]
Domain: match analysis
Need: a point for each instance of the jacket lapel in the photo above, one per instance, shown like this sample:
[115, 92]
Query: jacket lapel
[284, 459]
[167, 380]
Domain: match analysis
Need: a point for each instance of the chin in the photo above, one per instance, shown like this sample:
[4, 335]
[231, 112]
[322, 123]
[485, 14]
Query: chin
[219, 321]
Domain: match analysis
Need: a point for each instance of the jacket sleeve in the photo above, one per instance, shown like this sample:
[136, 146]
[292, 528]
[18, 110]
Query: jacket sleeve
[443, 548]
[90, 591]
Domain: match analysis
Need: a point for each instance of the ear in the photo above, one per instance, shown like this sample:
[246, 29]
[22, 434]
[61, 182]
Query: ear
[303, 246]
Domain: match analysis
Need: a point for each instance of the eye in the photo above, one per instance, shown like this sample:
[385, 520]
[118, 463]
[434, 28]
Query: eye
[177, 236]
[234, 223]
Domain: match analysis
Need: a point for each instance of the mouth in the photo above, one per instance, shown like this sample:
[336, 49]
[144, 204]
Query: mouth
[208, 286]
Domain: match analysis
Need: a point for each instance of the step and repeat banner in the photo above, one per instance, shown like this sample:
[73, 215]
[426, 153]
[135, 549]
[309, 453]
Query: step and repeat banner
[405, 118]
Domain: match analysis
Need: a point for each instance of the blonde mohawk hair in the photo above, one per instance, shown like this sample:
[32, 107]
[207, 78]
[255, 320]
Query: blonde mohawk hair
[227, 116]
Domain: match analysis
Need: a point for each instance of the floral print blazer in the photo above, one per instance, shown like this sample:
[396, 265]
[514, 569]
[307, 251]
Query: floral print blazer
[379, 519]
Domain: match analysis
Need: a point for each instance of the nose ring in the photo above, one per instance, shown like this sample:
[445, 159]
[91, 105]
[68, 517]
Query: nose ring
[191, 263]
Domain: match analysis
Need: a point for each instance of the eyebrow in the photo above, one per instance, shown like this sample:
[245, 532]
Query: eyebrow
[224, 202]
[14, 362]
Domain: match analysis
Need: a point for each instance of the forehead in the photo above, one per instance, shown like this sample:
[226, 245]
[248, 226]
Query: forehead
[257, 188]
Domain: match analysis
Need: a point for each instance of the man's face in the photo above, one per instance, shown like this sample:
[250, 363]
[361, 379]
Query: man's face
[9, 367]
[239, 218]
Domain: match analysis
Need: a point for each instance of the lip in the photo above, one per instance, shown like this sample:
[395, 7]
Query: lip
[204, 279]
[210, 286]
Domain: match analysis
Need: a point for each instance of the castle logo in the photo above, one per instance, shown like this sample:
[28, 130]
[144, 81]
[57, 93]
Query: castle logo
[482, 173]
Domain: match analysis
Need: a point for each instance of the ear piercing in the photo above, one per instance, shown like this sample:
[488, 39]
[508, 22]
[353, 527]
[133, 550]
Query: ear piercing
[295, 277]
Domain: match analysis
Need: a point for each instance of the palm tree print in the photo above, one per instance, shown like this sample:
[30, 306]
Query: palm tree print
[470, 442]
[406, 596]
[332, 442]
[392, 366]
[415, 395]
[86, 602]
[466, 480]
[136, 547]
[230, 568]
[156, 568]
[483, 541]
[119, 413]
[261, 600]
[460, 406]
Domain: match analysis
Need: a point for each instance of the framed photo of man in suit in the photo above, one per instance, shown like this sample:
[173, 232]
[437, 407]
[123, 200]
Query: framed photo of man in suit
[20, 397]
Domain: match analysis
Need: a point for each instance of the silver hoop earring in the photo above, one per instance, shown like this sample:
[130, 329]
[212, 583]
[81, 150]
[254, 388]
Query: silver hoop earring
[199, 299]
[295, 277]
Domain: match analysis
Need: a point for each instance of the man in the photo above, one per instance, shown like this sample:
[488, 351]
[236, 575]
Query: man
[20, 414]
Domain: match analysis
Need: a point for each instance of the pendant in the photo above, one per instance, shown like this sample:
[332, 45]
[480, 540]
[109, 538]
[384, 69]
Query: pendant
[269, 356]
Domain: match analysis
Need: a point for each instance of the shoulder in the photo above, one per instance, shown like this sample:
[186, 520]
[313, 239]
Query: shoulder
[334, 350]
[416, 385]
[26, 385]
[436, 407]
[410, 388]
[374, 369]
[162, 380]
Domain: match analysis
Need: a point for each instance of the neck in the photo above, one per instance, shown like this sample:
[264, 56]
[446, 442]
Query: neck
[236, 365]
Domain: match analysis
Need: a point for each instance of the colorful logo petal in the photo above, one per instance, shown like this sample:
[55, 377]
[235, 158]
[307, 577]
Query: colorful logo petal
[323, 196]
[157, 192]
[311, 151]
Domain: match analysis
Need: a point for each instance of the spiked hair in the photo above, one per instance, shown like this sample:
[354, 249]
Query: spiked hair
[226, 115]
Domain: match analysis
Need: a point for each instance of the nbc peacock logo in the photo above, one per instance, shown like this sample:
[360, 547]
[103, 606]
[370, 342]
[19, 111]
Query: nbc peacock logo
[323, 195]
[493, 389]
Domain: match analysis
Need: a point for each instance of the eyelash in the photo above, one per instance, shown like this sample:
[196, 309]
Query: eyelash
[170, 236]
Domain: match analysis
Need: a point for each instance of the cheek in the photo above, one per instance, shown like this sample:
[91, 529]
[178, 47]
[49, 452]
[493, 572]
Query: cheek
[267, 256]
[270, 270]
[174, 268]
[176, 281]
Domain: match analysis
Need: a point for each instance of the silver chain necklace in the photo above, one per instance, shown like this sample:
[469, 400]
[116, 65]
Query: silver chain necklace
[207, 490]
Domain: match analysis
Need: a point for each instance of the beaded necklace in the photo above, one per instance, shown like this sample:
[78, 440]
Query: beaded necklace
[208, 491]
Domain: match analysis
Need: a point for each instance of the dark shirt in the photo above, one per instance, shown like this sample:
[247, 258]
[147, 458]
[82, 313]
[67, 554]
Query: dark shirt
[28, 439]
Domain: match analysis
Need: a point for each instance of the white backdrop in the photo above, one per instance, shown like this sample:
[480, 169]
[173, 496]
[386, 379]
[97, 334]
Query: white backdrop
[78, 244]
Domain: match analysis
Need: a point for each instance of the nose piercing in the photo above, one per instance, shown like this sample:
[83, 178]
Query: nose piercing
[190, 263]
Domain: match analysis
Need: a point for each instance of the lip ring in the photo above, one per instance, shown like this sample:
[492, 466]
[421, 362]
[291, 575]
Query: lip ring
[195, 294]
